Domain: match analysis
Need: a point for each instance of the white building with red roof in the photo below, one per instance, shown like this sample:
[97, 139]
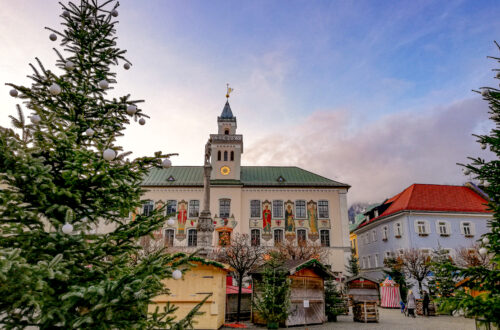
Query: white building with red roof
[423, 216]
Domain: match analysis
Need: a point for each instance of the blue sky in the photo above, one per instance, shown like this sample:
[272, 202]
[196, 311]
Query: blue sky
[347, 89]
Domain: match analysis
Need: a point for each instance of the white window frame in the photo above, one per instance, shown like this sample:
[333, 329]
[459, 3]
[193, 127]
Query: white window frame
[298, 235]
[321, 210]
[321, 237]
[374, 235]
[190, 209]
[172, 205]
[364, 262]
[375, 260]
[422, 227]
[426, 251]
[375, 214]
[369, 262]
[439, 227]
[282, 235]
[259, 237]
[165, 236]
[366, 239]
[297, 214]
[259, 213]
[195, 234]
[281, 209]
[385, 233]
[472, 229]
[148, 203]
[398, 229]
[221, 201]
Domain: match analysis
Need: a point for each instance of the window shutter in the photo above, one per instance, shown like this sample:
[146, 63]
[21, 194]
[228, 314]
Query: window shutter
[437, 227]
[427, 227]
[448, 228]
[472, 228]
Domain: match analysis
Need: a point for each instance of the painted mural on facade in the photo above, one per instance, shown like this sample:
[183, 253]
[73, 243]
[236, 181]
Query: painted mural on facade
[312, 217]
[289, 221]
[266, 216]
[181, 220]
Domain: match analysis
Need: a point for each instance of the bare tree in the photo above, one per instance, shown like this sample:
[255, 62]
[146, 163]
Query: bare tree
[416, 264]
[243, 257]
[470, 257]
[301, 251]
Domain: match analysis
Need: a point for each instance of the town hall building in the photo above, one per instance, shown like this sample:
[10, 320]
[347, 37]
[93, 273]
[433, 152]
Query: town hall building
[269, 203]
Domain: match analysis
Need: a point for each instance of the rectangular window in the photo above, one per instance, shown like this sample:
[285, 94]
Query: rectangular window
[364, 262]
[369, 262]
[375, 261]
[385, 233]
[169, 237]
[300, 209]
[148, 208]
[421, 227]
[255, 209]
[278, 209]
[366, 238]
[467, 229]
[397, 229]
[374, 235]
[278, 236]
[323, 209]
[224, 208]
[255, 237]
[443, 228]
[192, 237]
[325, 238]
[301, 237]
[171, 208]
[194, 208]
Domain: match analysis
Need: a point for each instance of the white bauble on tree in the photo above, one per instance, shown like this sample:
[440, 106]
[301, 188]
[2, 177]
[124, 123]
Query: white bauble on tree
[485, 92]
[67, 228]
[109, 154]
[35, 119]
[131, 109]
[466, 171]
[486, 240]
[13, 92]
[142, 121]
[483, 251]
[69, 65]
[89, 132]
[53, 37]
[55, 89]
[171, 222]
[166, 163]
[126, 66]
[486, 184]
[176, 274]
[483, 146]
[103, 84]
[114, 13]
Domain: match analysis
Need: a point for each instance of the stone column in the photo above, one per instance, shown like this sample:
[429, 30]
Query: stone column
[205, 225]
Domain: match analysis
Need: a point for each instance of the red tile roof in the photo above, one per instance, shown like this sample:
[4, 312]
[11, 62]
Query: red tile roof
[438, 198]
[234, 290]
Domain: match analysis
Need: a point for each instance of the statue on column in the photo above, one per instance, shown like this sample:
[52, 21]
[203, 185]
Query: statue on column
[205, 224]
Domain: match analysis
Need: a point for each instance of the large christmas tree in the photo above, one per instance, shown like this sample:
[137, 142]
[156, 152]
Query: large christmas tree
[61, 176]
[484, 278]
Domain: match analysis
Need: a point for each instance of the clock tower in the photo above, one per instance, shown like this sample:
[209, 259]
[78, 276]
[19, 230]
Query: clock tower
[227, 147]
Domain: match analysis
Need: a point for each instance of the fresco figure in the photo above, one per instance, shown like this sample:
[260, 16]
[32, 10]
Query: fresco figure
[312, 217]
[181, 218]
[266, 217]
[289, 221]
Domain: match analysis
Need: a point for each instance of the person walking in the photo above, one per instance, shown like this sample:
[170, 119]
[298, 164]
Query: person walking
[411, 303]
[426, 304]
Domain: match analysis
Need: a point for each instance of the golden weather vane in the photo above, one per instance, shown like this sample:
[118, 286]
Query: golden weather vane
[229, 90]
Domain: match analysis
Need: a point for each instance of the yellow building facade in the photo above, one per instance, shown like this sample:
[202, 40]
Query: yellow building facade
[196, 284]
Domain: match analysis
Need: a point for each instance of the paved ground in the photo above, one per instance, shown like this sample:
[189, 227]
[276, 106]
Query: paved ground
[393, 319]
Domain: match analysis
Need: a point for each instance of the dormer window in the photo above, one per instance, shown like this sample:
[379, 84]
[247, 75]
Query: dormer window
[171, 179]
[281, 179]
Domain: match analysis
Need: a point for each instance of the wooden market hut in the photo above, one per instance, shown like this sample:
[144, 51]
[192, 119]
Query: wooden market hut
[307, 292]
[207, 278]
[389, 294]
[363, 291]
[232, 301]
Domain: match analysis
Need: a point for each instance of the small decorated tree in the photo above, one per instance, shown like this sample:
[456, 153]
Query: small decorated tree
[62, 175]
[273, 300]
[334, 302]
[442, 283]
[353, 264]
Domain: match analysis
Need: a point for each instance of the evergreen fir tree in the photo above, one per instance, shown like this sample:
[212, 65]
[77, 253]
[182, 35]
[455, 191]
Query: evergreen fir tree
[484, 278]
[353, 264]
[441, 284]
[273, 299]
[333, 300]
[61, 176]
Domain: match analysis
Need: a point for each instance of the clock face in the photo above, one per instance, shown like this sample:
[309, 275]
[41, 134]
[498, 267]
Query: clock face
[225, 170]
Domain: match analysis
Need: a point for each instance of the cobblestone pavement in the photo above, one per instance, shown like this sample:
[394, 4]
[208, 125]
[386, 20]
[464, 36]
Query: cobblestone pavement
[393, 319]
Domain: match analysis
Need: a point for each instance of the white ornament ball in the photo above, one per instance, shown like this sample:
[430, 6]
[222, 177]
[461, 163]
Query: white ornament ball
[55, 89]
[466, 171]
[35, 119]
[170, 222]
[486, 240]
[67, 228]
[126, 66]
[109, 154]
[486, 184]
[176, 274]
[114, 13]
[53, 37]
[483, 146]
[485, 92]
[89, 132]
[69, 65]
[13, 92]
[166, 163]
[483, 251]
[103, 84]
[142, 121]
[131, 109]
[66, 13]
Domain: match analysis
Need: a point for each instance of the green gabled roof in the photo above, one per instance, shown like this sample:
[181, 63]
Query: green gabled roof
[251, 176]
